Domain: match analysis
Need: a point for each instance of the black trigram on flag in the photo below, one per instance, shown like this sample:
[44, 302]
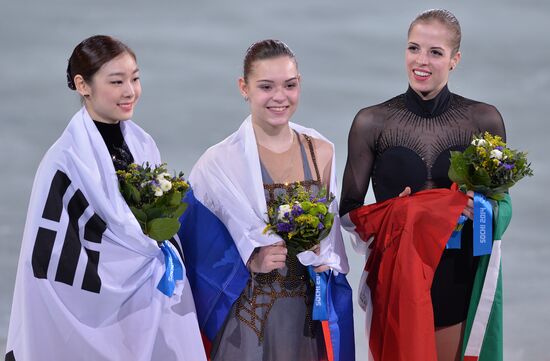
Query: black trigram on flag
[72, 246]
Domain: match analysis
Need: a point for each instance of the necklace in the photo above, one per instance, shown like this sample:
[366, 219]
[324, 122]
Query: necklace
[281, 166]
[276, 148]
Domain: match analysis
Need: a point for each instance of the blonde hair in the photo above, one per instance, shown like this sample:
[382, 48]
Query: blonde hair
[446, 18]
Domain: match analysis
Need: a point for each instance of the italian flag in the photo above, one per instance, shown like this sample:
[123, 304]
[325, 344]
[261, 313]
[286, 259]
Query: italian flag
[410, 234]
[409, 238]
[483, 334]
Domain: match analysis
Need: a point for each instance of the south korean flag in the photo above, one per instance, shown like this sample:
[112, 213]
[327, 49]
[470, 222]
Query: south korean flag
[86, 286]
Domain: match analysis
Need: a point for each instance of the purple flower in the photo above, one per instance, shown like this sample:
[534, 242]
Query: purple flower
[321, 216]
[508, 166]
[322, 200]
[296, 210]
[499, 147]
[284, 227]
[320, 226]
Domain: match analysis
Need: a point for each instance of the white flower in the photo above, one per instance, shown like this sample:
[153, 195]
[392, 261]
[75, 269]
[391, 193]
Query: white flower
[479, 142]
[495, 153]
[157, 190]
[285, 208]
[164, 175]
[165, 185]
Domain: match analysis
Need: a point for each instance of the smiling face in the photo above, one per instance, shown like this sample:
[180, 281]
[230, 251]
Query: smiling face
[429, 57]
[113, 91]
[273, 90]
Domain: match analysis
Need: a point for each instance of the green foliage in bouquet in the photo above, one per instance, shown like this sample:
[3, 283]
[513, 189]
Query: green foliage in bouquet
[154, 197]
[489, 167]
[300, 218]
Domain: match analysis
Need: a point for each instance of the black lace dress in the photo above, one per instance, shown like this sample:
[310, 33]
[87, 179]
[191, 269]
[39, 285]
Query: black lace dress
[406, 141]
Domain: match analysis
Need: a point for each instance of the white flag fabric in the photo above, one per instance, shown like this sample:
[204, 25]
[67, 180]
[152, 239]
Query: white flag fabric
[86, 286]
[228, 181]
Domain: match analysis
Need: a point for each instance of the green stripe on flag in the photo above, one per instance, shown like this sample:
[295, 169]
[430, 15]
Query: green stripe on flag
[483, 333]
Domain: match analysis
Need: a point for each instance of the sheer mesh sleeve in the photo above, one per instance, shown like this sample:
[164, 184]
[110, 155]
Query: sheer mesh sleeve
[489, 119]
[361, 154]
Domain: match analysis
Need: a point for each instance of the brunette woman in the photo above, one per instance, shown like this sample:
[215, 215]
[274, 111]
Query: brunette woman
[87, 281]
[254, 300]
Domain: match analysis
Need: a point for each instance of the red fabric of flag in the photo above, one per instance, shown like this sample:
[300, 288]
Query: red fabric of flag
[410, 234]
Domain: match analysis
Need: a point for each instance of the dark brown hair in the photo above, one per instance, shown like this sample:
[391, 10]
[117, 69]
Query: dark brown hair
[265, 49]
[91, 54]
[446, 18]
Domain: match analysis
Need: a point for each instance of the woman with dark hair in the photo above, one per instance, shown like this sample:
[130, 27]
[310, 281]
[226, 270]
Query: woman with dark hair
[403, 145]
[87, 278]
[254, 300]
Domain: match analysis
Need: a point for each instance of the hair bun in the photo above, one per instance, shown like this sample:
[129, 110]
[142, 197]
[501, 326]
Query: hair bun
[90, 55]
[70, 81]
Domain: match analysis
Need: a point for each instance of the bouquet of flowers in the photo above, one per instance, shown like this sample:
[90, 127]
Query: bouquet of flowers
[489, 167]
[154, 197]
[300, 218]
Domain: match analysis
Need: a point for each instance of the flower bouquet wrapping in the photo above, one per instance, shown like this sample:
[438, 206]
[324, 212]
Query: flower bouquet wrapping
[155, 199]
[490, 169]
[300, 218]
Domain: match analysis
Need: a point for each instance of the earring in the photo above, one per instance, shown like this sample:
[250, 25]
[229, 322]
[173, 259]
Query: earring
[451, 68]
[246, 98]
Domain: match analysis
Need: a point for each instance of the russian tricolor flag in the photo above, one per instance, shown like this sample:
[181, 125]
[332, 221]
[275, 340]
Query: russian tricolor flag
[224, 223]
[217, 276]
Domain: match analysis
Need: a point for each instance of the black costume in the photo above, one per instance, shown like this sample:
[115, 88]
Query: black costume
[406, 141]
[114, 140]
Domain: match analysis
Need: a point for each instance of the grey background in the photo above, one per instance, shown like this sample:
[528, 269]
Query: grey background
[350, 55]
